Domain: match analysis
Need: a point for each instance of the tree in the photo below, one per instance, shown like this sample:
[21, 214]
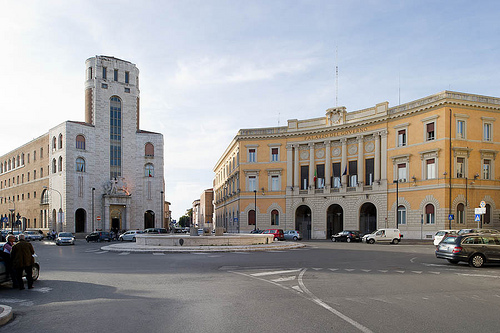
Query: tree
[185, 220]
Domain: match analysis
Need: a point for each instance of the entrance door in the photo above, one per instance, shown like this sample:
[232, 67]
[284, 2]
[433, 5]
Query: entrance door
[368, 218]
[334, 220]
[80, 217]
[115, 224]
[303, 221]
[149, 219]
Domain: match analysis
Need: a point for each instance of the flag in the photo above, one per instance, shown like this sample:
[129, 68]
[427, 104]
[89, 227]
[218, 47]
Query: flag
[315, 176]
[345, 171]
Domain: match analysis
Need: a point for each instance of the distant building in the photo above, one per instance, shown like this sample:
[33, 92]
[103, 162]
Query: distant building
[104, 173]
[167, 215]
[207, 209]
[196, 218]
[420, 166]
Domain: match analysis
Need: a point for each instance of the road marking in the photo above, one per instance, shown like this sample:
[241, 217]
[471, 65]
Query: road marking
[333, 269]
[435, 272]
[276, 272]
[317, 269]
[283, 279]
[318, 301]
[366, 270]
[402, 272]
[241, 252]
[298, 289]
[158, 253]
[42, 290]
[349, 269]
[92, 250]
[101, 252]
[383, 270]
[412, 260]
[199, 252]
[479, 275]
[417, 272]
[123, 253]
[215, 256]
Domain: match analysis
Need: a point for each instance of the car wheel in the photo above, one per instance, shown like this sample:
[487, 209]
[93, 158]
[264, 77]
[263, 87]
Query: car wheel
[476, 261]
[395, 241]
[133, 239]
[121, 239]
[451, 261]
[295, 238]
[35, 272]
[333, 239]
[87, 240]
[371, 241]
[348, 240]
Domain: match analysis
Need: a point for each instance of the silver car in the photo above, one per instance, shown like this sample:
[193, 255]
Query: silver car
[130, 235]
[65, 238]
[33, 235]
[5, 276]
[292, 235]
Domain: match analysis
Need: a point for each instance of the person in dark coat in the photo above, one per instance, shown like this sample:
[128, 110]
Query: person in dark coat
[22, 260]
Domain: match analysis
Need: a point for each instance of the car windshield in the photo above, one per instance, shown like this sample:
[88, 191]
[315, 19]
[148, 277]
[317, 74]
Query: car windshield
[450, 240]
[440, 233]
[65, 234]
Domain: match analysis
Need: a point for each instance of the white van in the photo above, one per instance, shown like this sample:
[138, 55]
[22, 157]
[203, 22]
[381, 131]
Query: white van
[392, 236]
[440, 234]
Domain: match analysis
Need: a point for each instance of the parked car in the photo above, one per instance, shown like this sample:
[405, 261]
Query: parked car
[278, 233]
[155, 231]
[33, 235]
[256, 231]
[129, 235]
[440, 234]
[477, 230]
[65, 238]
[292, 235]
[475, 249]
[98, 236]
[5, 276]
[392, 236]
[347, 236]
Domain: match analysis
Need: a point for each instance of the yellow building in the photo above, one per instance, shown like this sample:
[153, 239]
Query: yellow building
[421, 166]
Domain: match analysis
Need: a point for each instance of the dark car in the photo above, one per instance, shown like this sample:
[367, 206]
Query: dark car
[278, 233]
[156, 231]
[475, 249]
[98, 236]
[347, 236]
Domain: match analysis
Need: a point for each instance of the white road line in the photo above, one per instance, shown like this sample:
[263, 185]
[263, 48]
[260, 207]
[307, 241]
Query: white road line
[318, 301]
[317, 269]
[333, 269]
[366, 270]
[215, 256]
[349, 269]
[297, 288]
[383, 270]
[276, 272]
[290, 278]
[412, 260]
[402, 272]
[417, 272]
[123, 253]
[42, 290]
[479, 275]
[199, 252]
[435, 272]
[241, 252]
[158, 253]
[101, 252]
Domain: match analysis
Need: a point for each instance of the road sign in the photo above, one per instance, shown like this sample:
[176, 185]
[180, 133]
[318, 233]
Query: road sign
[478, 218]
[482, 204]
[5, 219]
[98, 218]
[451, 217]
[479, 211]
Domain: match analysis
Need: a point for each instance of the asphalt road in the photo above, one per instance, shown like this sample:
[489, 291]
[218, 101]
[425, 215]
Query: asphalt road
[325, 287]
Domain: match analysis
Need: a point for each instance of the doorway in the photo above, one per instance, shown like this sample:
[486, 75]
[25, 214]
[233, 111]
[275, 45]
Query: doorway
[334, 220]
[303, 221]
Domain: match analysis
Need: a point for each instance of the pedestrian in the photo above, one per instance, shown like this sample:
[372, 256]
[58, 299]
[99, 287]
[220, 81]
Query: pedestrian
[22, 259]
[7, 248]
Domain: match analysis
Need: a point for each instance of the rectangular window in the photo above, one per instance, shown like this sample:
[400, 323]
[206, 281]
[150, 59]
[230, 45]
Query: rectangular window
[402, 138]
[401, 215]
[369, 167]
[89, 73]
[336, 179]
[275, 183]
[127, 77]
[320, 176]
[274, 154]
[460, 167]
[460, 129]
[402, 172]
[430, 132]
[251, 155]
[486, 169]
[431, 168]
[304, 176]
[353, 173]
[104, 73]
[127, 90]
[115, 75]
[487, 132]
[252, 183]
[104, 85]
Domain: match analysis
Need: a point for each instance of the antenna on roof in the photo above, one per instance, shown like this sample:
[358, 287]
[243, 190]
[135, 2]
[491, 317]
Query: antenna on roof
[336, 77]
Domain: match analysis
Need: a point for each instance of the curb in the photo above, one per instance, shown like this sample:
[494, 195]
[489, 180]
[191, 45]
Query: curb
[5, 314]
[178, 249]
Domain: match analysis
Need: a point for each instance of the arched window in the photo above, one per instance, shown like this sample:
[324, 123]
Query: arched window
[149, 149]
[115, 136]
[60, 141]
[54, 143]
[275, 217]
[251, 217]
[60, 166]
[429, 214]
[149, 170]
[460, 213]
[401, 215]
[80, 165]
[45, 197]
[80, 142]
[54, 166]
[487, 216]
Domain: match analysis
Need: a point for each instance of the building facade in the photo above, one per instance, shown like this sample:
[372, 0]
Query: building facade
[421, 166]
[207, 209]
[104, 173]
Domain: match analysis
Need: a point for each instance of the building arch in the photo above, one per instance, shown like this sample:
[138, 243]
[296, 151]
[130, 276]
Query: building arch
[149, 149]
[149, 219]
[80, 220]
[80, 141]
[334, 220]
[367, 218]
[303, 218]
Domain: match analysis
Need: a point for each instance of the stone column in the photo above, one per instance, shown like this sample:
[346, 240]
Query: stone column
[289, 167]
[361, 178]
[328, 164]
[296, 169]
[377, 158]
[128, 216]
[311, 166]
[383, 154]
[344, 162]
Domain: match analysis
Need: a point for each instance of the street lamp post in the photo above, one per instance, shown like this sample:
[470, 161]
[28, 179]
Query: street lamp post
[12, 210]
[255, 206]
[93, 190]
[59, 214]
[397, 201]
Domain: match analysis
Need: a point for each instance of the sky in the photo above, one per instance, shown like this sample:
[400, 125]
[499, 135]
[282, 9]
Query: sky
[209, 68]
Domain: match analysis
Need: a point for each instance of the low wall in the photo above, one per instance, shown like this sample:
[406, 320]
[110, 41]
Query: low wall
[187, 240]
